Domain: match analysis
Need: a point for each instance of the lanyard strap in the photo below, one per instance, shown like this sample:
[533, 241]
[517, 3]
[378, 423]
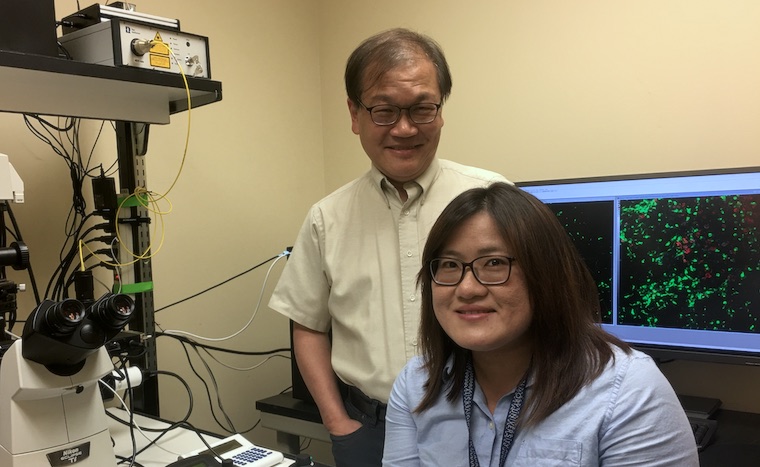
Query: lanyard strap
[510, 427]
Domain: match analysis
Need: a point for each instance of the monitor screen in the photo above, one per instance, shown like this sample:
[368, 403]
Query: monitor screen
[676, 257]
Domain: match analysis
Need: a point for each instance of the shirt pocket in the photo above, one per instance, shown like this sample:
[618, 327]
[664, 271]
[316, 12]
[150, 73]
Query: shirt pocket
[546, 452]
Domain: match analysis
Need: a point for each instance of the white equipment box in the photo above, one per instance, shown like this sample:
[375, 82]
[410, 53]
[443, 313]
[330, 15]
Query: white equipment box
[112, 42]
[11, 185]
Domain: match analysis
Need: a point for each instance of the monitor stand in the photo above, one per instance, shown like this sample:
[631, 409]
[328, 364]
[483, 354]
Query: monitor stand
[699, 407]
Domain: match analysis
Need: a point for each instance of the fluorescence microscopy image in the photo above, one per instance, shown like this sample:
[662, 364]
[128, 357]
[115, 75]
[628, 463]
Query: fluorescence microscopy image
[590, 225]
[691, 263]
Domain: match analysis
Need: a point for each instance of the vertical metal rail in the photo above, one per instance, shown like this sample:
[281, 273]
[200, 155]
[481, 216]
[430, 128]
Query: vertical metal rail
[131, 141]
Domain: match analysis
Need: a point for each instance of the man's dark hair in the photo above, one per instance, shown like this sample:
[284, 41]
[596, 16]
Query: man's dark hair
[385, 51]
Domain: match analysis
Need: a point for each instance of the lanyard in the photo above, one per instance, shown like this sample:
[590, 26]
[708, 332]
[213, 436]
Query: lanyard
[510, 427]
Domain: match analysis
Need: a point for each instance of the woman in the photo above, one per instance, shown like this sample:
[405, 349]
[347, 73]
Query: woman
[514, 369]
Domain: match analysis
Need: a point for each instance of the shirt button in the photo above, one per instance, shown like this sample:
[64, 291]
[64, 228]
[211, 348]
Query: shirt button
[412, 298]
[409, 254]
[490, 425]
[406, 213]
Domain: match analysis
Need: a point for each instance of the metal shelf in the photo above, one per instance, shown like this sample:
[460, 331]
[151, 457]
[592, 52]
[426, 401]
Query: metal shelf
[55, 86]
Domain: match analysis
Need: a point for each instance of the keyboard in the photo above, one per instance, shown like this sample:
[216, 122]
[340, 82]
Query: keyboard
[704, 429]
[257, 457]
[242, 452]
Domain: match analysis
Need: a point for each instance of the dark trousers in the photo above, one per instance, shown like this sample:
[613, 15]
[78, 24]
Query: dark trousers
[364, 447]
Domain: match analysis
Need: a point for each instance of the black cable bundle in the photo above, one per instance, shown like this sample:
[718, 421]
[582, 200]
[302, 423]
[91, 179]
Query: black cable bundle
[65, 142]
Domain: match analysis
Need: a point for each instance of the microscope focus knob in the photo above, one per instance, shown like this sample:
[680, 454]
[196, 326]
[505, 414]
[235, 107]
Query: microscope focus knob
[16, 255]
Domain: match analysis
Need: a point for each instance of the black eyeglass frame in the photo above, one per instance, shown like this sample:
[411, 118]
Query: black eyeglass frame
[399, 110]
[432, 268]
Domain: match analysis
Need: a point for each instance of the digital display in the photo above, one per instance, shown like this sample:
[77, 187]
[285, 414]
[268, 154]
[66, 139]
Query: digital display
[223, 448]
[676, 257]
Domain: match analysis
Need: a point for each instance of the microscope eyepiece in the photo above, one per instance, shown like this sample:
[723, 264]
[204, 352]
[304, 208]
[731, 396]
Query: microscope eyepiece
[61, 335]
[63, 317]
[114, 311]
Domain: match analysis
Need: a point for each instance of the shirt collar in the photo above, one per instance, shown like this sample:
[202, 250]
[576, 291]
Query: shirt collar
[448, 370]
[424, 181]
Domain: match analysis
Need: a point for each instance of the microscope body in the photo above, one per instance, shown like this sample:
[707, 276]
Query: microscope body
[52, 420]
[51, 408]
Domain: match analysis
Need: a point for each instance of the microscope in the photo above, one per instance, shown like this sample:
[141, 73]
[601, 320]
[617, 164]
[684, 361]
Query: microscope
[51, 408]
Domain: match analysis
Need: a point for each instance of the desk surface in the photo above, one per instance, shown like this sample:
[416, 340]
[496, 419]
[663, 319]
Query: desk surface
[288, 406]
[736, 442]
[291, 419]
[167, 449]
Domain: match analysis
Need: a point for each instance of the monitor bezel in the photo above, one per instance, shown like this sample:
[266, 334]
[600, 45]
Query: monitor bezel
[664, 352]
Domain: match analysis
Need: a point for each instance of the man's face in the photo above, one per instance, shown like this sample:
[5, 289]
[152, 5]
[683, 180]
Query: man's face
[404, 150]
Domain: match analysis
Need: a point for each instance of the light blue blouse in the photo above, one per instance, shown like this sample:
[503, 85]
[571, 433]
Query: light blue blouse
[628, 416]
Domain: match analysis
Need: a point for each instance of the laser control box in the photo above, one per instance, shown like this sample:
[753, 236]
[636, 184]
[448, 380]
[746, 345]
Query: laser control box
[110, 42]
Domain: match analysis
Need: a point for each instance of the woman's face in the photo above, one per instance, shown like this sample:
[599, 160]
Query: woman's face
[483, 318]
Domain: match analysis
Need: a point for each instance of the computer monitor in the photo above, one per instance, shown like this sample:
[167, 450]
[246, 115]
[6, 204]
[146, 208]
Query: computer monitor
[676, 257]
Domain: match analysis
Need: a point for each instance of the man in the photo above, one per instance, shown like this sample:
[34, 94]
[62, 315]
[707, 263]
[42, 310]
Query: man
[354, 264]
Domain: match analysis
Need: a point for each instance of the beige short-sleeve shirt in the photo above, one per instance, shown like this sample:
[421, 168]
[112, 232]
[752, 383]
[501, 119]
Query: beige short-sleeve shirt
[354, 267]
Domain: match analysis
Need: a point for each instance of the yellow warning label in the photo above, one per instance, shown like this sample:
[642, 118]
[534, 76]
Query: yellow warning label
[159, 46]
[160, 61]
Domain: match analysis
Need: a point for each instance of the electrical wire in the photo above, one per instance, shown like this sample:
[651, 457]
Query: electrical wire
[64, 140]
[186, 417]
[58, 279]
[226, 365]
[189, 121]
[253, 315]
[187, 340]
[230, 428]
[173, 425]
[131, 415]
[117, 271]
[220, 283]
[305, 444]
[163, 432]
[146, 198]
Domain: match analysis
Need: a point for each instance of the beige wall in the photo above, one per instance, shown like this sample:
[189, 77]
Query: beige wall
[547, 89]
[255, 167]
[542, 89]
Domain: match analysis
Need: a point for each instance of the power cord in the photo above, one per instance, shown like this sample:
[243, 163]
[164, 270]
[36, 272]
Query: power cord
[286, 252]
[250, 320]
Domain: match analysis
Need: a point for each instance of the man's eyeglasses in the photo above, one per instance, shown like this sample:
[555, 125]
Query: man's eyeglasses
[386, 114]
[488, 270]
